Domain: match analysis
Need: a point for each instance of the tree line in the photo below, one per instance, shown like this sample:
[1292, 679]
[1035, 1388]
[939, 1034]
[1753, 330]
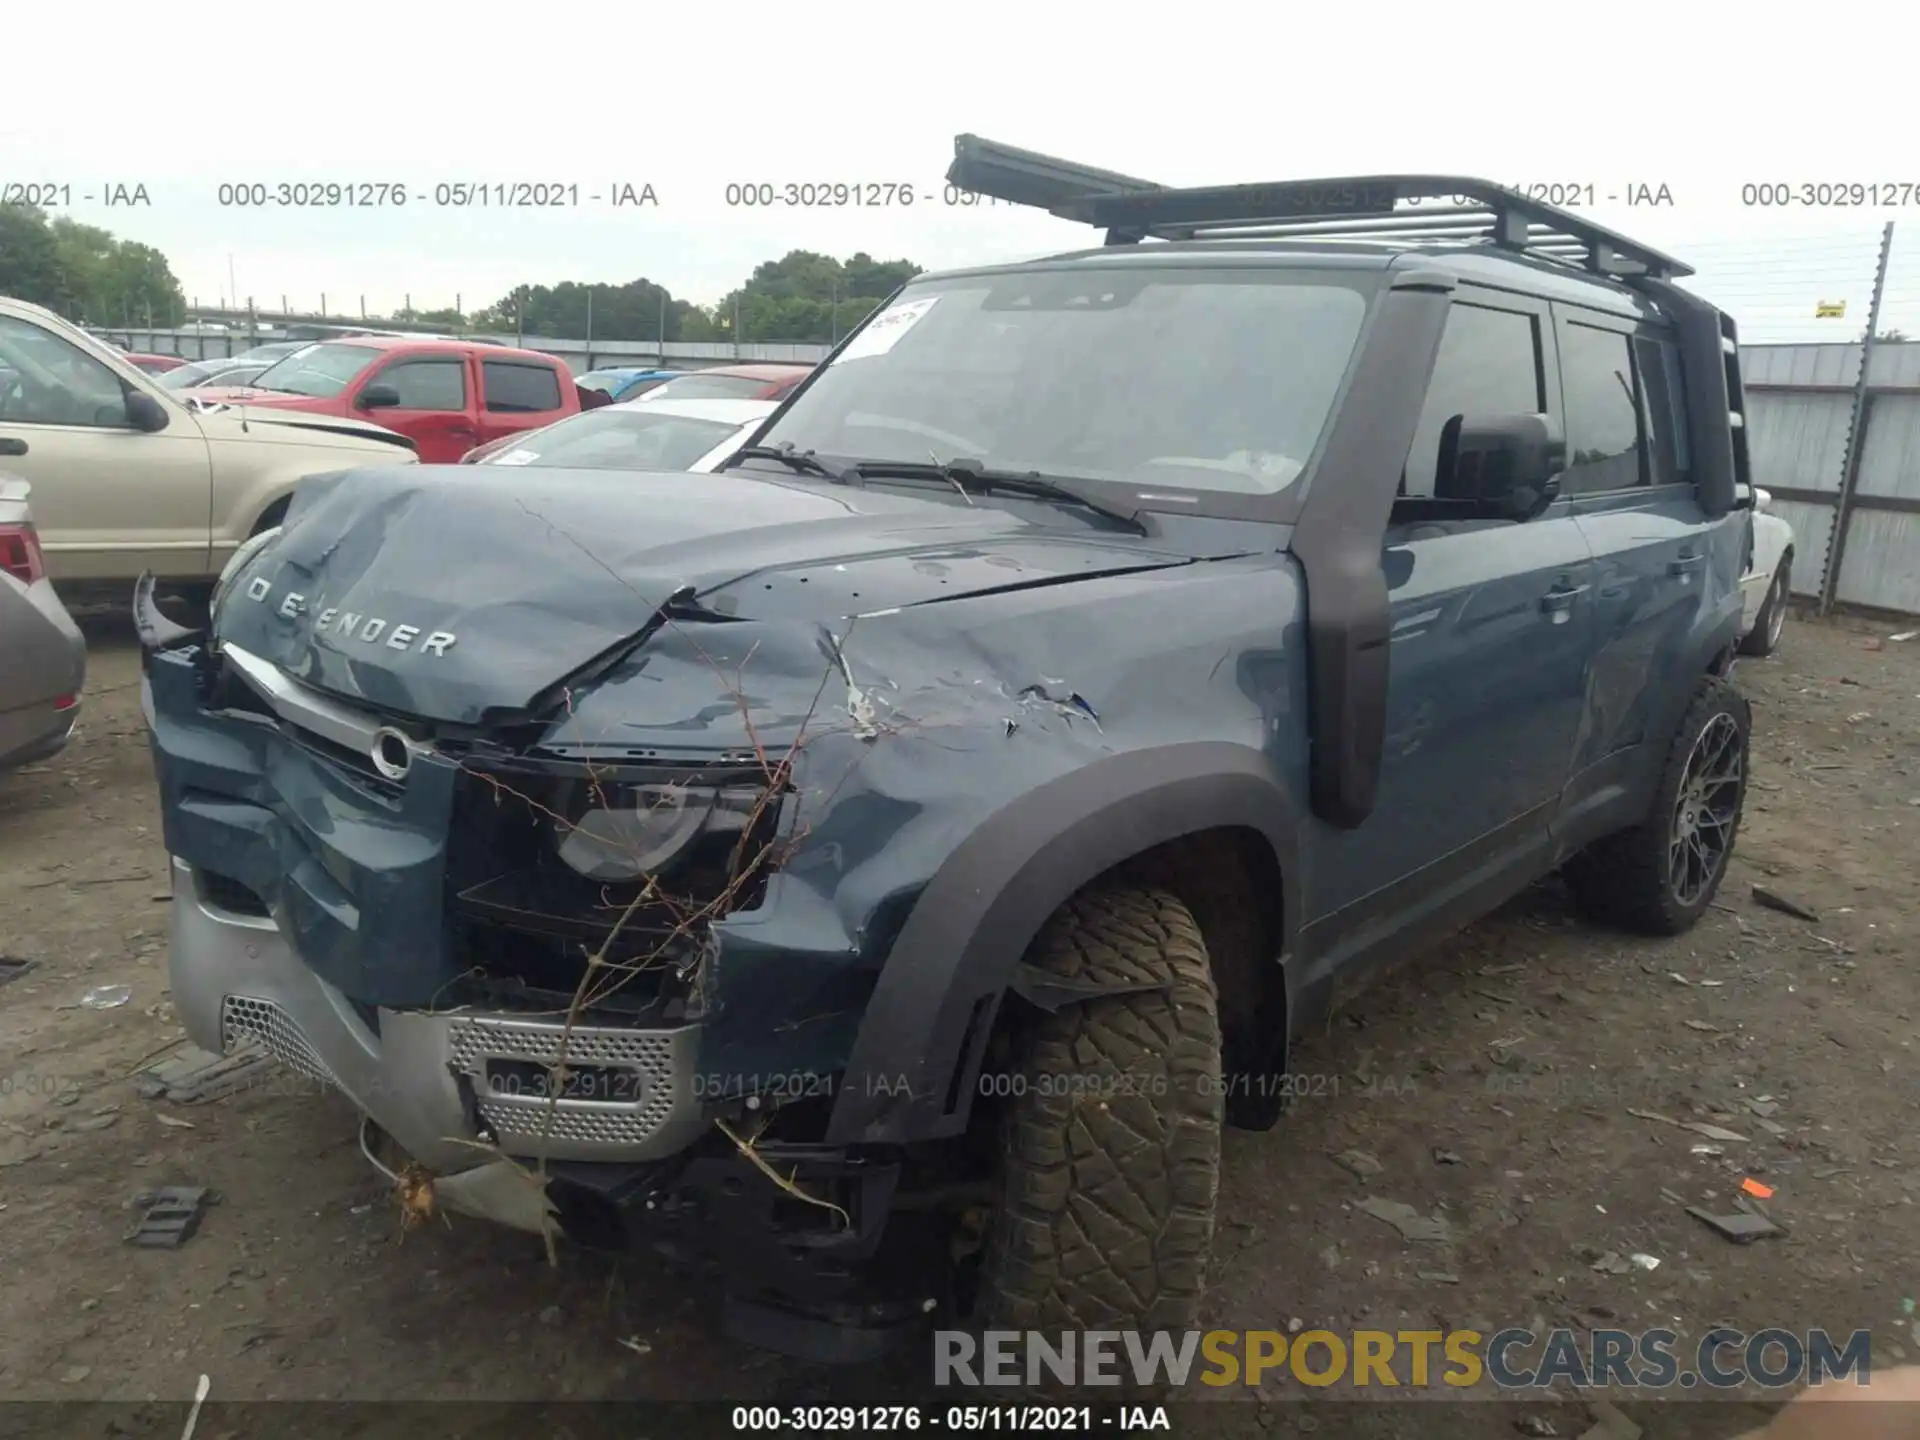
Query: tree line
[84, 272]
[92, 277]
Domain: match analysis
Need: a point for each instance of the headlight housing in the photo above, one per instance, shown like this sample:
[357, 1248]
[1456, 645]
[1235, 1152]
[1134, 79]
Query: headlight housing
[241, 558]
[641, 829]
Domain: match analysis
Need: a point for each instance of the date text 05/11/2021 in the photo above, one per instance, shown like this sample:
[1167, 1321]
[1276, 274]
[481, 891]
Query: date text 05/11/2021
[1011, 1419]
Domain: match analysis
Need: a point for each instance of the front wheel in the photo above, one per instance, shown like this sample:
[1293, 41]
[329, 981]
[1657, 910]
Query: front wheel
[1109, 1155]
[1764, 638]
[1659, 877]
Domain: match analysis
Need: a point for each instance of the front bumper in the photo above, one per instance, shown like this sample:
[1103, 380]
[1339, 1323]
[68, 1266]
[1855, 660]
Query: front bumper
[423, 1077]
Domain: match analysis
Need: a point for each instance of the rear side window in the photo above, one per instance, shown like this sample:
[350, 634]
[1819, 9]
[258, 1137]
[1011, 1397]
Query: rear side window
[1489, 364]
[1665, 411]
[519, 388]
[1602, 394]
[427, 384]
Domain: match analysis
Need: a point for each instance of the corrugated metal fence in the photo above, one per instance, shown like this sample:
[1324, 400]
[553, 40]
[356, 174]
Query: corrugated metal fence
[1800, 412]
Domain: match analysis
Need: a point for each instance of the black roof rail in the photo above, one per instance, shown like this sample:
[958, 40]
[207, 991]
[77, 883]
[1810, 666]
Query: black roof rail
[1397, 209]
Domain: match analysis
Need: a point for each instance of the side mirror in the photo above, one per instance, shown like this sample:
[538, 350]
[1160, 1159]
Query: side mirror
[378, 397]
[144, 413]
[1762, 499]
[1507, 466]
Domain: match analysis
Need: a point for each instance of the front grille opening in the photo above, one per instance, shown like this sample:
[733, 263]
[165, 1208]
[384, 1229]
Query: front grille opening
[520, 912]
[223, 892]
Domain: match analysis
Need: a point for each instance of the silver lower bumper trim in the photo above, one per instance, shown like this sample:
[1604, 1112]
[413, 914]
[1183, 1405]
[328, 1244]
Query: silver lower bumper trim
[237, 981]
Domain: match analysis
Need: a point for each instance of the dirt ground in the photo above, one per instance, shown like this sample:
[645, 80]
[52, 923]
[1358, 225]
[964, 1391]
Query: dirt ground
[1514, 1055]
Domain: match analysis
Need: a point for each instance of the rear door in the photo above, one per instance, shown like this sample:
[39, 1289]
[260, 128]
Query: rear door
[519, 395]
[436, 402]
[1492, 635]
[1629, 479]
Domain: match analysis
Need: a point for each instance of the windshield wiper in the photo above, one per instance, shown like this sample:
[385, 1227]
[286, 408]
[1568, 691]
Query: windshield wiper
[972, 477]
[804, 462]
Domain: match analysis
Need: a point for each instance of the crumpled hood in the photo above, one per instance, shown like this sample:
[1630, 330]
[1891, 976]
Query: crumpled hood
[449, 592]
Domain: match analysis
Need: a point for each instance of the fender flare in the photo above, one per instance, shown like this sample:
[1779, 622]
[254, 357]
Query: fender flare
[908, 1075]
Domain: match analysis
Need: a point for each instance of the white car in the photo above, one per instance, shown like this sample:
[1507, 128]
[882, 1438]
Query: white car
[1766, 585]
[673, 435]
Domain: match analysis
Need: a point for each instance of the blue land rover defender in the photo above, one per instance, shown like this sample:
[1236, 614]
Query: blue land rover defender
[877, 870]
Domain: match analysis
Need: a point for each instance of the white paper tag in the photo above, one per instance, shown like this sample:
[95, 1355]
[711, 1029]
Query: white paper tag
[517, 457]
[886, 329]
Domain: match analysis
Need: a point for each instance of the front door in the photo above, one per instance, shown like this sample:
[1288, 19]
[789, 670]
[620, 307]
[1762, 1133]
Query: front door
[436, 404]
[1492, 637]
[108, 500]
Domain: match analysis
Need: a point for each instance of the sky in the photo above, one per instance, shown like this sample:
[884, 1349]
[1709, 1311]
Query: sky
[691, 100]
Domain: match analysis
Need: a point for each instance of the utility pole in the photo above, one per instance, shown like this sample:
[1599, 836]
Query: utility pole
[1856, 432]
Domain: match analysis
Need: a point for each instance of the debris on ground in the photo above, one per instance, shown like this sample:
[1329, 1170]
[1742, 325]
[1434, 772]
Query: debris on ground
[1535, 1425]
[1756, 1189]
[171, 1217]
[195, 1076]
[1645, 1261]
[1742, 1229]
[636, 1344]
[12, 967]
[1613, 1263]
[107, 997]
[415, 1194]
[1446, 1157]
[1904, 635]
[1698, 1127]
[1773, 900]
[1609, 1424]
[1411, 1224]
[1358, 1163]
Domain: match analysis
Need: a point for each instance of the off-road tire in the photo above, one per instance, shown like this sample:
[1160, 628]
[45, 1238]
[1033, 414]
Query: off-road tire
[1623, 879]
[1109, 1160]
[1762, 640]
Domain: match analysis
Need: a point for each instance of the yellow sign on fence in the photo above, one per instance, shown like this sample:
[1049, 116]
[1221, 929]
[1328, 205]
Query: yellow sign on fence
[1830, 310]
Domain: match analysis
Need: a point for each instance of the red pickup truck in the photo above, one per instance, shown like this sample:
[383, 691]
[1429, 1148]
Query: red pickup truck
[447, 396]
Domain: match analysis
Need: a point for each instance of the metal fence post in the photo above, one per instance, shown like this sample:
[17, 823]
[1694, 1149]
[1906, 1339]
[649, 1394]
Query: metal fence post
[1856, 433]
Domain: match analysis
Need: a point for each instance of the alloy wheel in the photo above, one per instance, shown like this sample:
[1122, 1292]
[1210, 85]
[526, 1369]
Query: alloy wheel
[1777, 610]
[1705, 811]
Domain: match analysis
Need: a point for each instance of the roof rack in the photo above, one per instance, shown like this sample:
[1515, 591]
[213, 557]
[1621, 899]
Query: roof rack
[1396, 209]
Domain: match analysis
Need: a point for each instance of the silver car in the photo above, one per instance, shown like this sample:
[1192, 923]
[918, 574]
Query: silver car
[43, 657]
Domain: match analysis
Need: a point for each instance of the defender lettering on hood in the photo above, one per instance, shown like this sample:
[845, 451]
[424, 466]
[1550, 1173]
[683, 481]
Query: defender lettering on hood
[350, 625]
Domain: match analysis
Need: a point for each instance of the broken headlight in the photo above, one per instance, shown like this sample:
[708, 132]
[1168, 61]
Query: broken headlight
[639, 829]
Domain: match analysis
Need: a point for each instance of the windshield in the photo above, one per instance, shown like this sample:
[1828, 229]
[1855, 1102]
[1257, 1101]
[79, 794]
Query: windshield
[181, 376]
[1182, 378]
[276, 350]
[321, 371]
[710, 387]
[619, 440]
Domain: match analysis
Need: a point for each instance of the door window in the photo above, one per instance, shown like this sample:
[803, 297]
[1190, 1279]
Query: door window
[1489, 364]
[516, 388]
[47, 380]
[438, 384]
[1665, 409]
[1598, 379]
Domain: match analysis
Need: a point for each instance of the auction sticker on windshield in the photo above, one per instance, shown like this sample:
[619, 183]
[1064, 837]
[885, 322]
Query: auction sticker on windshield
[886, 328]
[517, 457]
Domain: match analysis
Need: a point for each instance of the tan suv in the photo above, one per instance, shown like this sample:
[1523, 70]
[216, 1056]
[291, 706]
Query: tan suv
[128, 477]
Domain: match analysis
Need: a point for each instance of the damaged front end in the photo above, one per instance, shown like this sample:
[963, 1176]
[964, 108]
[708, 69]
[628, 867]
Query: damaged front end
[591, 952]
